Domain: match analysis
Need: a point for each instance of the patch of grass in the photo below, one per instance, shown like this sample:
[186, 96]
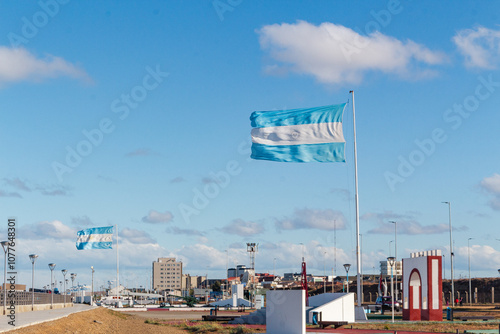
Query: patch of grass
[118, 314]
[208, 327]
[240, 330]
[152, 322]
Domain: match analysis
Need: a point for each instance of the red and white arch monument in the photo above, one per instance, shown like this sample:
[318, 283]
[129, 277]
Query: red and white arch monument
[422, 286]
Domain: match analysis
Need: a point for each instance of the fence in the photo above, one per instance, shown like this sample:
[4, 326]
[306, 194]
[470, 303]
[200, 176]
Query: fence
[25, 298]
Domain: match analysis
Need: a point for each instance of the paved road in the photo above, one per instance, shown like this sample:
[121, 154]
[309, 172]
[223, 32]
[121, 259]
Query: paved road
[31, 318]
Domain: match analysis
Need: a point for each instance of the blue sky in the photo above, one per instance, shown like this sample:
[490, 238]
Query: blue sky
[137, 114]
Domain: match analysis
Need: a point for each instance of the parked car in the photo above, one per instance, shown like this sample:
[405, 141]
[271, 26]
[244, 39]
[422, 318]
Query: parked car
[385, 303]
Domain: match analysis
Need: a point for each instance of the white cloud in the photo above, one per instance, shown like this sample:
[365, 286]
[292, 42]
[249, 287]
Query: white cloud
[45, 229]
[309, 218]
[289, 257]
[136, 236]
[199, 256]
[491, 185]
[335, 54]
[182, 231]
[18, 64]
[480, 47]
[407, 224]
[243, 228]
[484, 257]
[155, 217]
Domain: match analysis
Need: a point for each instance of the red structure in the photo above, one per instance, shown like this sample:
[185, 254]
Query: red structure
[303, 281]
[422, 286]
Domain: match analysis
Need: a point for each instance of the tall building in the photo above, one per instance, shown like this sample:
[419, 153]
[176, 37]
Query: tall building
[167, 274]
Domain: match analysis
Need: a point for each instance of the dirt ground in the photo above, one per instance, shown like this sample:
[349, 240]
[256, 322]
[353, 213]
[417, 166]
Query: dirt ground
[99, 321]
[102, 320]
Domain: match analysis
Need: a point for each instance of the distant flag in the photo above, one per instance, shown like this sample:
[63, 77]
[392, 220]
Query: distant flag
[95, 238]
[299, 135]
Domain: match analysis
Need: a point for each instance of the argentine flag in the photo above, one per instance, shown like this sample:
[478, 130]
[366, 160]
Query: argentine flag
[299, 135]
[95, 238]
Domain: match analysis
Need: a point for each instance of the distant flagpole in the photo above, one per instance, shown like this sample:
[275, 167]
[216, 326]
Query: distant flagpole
[117, 268]
[358, 253]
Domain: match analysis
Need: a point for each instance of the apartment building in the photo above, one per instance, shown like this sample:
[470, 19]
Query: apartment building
[167, 274]
[193, 282]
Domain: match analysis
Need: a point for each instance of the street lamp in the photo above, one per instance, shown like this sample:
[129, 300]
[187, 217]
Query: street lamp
[444, 268]
[73, 277]
[324, 272]
[470, 282]
[391, 262]
[51, 267]
[347, 266]
[33, 258]
[226, 292]
[361, 263]
[451, 256]
[5, 245]
[396, 253]
[92, 295]
[64, 272]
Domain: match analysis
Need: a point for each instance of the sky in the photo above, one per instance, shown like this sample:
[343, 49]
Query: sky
[136, 114]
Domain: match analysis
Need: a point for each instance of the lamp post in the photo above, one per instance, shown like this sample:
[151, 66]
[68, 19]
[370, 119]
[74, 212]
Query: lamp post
[390, 260]
[390, 247]
[226, 292]
[333, 282]
[92, 295]
[51, 267]
[5, 245]
[451, 256]
[444, 268]
[347, 266]
[64, 272]
[33, 258]
[396, 253]
[470, 282]
[73, 277]
[361, 263]
[324, 272]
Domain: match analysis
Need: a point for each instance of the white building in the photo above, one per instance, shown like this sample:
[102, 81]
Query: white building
[397, 269]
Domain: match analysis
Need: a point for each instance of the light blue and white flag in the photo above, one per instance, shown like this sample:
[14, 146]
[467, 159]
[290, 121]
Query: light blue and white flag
[299, 135]
[95, 238]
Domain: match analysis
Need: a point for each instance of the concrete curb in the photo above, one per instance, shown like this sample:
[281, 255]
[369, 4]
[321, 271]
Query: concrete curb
[45, 320]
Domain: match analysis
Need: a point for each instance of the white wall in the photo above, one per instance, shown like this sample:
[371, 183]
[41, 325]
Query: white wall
[333, 307]
[286, 312]
[419, 263]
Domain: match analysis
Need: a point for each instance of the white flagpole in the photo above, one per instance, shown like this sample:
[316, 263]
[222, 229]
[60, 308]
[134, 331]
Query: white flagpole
[358, 253]
[117, 268]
